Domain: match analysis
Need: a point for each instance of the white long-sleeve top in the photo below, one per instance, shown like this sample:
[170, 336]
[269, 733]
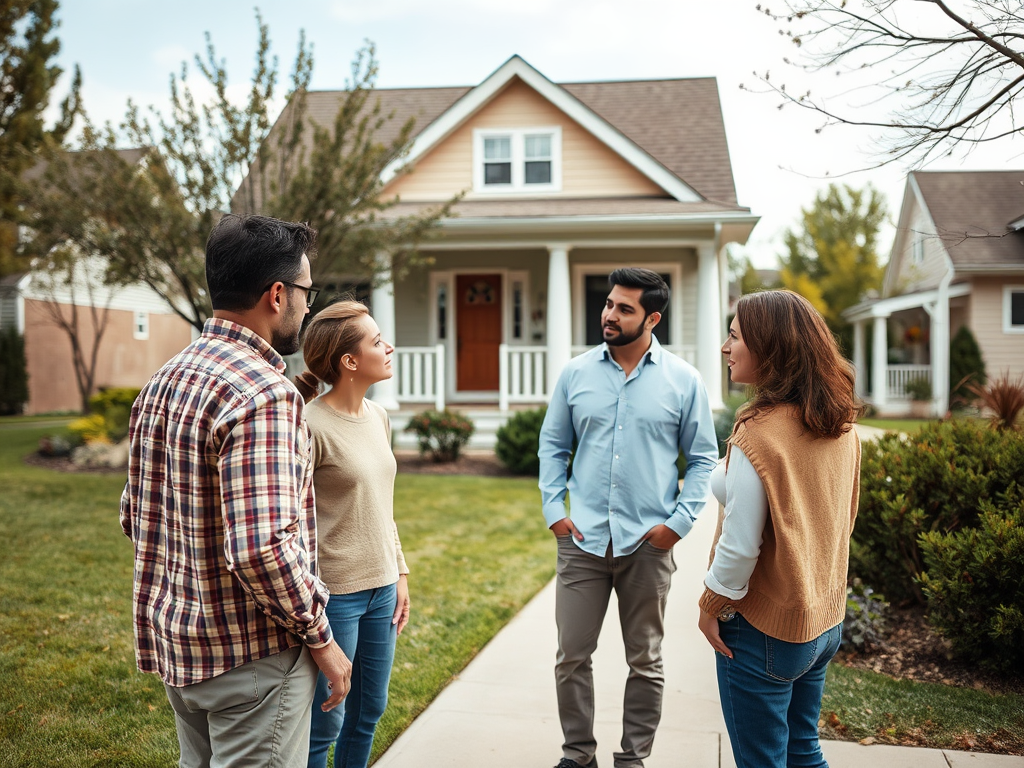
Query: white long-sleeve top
[746, 513]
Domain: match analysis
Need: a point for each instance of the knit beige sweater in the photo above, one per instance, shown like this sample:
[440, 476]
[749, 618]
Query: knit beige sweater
[798, 588]
[354, 479]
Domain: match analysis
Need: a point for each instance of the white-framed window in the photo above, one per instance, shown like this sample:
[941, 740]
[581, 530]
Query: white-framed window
[917, 249]
[517, 160]
[1013, 309]
[140, 327]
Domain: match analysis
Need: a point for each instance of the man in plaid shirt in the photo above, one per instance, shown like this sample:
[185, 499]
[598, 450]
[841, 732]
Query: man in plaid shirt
[229, 610]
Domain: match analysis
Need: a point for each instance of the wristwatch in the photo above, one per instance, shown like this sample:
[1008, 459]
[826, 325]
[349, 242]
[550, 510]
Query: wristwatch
[727, 614]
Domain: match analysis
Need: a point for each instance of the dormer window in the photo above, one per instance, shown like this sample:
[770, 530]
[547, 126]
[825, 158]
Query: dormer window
[517, 160]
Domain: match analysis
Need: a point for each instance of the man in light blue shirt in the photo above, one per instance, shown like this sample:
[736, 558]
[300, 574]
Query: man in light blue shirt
[632, 408]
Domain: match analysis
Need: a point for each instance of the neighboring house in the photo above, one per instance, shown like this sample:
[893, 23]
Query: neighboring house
[142, 332]
[958, 259]
[563, 183]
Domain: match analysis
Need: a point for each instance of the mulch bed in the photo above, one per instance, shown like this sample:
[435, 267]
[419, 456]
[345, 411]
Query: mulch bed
[911, 650]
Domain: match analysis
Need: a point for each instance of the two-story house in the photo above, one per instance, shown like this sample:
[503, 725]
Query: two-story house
[563, 183]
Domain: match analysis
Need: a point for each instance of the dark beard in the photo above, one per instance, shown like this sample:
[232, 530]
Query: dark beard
[285, 344]
[624, 338]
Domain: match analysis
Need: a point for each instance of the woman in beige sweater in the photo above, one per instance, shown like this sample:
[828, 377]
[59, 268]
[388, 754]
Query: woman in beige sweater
[775, 592]
[361, 558]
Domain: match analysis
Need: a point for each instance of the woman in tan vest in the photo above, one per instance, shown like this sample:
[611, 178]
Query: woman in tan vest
[361, 558]
[775, 592]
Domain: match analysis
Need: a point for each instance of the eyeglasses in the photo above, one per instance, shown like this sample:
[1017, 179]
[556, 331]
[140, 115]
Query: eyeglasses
[311, 292]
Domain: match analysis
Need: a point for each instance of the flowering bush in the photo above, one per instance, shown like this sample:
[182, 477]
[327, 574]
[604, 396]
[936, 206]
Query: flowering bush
[442, 433]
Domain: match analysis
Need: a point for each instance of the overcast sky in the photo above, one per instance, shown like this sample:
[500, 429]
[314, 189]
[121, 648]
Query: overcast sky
[128, 48]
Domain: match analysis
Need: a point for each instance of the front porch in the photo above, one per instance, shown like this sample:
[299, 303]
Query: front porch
[909, 342]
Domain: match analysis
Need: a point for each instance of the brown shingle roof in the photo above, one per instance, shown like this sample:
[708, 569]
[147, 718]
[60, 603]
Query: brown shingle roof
[677, 122]
[980, 204]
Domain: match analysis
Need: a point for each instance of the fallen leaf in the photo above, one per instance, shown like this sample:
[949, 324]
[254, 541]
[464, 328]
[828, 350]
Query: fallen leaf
[868, 741]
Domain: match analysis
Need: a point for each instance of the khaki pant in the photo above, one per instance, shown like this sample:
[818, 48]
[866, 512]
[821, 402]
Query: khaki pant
[253, 716]
[584, 583]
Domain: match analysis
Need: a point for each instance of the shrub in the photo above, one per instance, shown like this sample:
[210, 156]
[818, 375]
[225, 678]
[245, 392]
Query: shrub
[13, 372]
[90, 429]
[519, 441]
[973, 584]
[57, 445]
[442, 433]
[919, 388]
[114, 404]
[966, 365]
[1003, 397]
[865, 617]
[934, 480]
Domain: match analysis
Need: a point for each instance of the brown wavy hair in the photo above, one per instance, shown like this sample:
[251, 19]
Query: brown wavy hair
[329, 336]
[797, 363]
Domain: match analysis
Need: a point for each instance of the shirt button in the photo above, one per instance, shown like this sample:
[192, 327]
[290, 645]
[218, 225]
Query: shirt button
[620, 426]
[616, 455]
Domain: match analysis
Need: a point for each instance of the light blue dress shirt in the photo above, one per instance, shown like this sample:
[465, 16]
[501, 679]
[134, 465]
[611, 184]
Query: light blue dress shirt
[630, 433]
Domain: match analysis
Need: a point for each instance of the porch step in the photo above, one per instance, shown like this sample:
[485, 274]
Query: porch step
[486, 420]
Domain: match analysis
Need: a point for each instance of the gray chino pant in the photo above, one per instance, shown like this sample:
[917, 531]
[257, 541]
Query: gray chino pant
[253, 716]
[583, 586]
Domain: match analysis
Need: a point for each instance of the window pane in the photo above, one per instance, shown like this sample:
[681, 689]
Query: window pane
[498, 148]
[497, 173]
[538, 147]
[538, 172]
[1017, 308]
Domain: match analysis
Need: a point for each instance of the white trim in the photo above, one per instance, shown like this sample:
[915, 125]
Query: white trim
[465, 107]
[580, 273]
[518, 276]
[886, 307]
[1008, 291]
[517, 159]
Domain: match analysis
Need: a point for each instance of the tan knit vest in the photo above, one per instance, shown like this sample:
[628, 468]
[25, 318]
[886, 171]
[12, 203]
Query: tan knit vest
[798, 588]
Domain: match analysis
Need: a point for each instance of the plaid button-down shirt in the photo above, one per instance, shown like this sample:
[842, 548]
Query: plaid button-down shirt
[219, 506]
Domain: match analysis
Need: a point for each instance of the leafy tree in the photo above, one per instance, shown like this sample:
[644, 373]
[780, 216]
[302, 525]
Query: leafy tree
[832, 259]
[202, 152]
[946, 75]
[26, 78]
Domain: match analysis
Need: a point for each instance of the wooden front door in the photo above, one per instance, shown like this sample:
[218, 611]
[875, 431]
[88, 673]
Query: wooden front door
[478, 332]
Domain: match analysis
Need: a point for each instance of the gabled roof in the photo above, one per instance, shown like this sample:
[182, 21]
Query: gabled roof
[130, 156]
[670, 130]
[973, 212]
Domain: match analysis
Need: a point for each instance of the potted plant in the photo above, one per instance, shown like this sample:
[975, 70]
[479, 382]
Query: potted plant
[919, 389]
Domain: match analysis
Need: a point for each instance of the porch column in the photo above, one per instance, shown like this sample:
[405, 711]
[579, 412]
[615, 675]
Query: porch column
[879, 364]
[859, 369]
[385, 393]
[559, 319]
[940, 352]
[709, 323]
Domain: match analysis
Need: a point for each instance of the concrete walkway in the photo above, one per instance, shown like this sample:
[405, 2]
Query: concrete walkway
[501, 710]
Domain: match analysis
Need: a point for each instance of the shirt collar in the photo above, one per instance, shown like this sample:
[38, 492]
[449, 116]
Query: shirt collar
[218, 327]
[653, 353]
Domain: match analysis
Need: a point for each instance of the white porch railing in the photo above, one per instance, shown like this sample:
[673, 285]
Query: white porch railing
[687, 352]
[897, 377]
[522, 375]
[419, 372]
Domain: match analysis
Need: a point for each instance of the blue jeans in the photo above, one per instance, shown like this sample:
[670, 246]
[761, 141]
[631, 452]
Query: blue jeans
[361, 623]
[771, 695]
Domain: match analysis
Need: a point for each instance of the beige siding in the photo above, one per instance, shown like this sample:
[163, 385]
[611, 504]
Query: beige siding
[589, 168]
[929, 272]
[1001, 351]
[123, 360]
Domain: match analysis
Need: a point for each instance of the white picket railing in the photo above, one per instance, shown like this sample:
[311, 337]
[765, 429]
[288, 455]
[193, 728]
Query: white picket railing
[419, 372]
[897, 377]
[687, 352]
[522, 375]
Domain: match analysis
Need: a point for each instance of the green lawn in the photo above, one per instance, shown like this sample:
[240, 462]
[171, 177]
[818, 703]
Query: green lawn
[69, 692]
[858, 704]
[896, 425]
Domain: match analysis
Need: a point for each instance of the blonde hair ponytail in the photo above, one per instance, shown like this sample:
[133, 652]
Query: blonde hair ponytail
[329, 335]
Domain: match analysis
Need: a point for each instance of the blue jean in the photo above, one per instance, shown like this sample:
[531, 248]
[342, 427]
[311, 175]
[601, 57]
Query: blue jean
[771, 695]
[361, 623]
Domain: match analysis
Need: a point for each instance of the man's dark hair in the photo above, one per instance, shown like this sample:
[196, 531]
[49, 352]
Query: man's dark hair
[247, 254]
[655, 290]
